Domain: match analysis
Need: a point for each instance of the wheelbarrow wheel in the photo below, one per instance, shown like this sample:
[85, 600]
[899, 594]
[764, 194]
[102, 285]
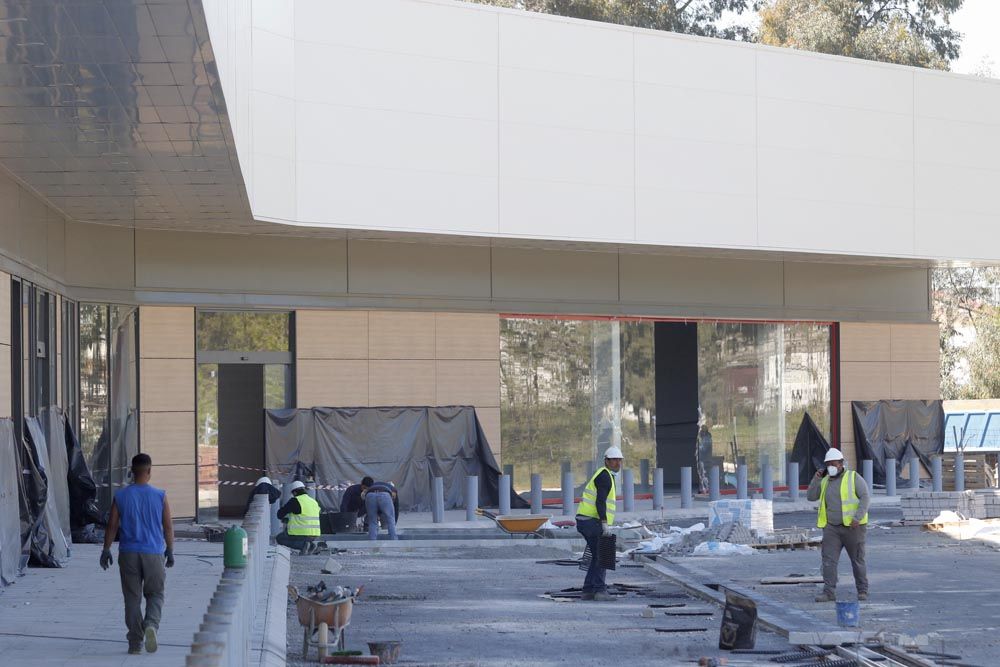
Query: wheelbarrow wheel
[324, 637]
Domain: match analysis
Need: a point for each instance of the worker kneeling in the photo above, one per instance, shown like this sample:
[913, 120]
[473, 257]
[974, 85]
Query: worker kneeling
[843, 497]
[302, 513]
[594, 514]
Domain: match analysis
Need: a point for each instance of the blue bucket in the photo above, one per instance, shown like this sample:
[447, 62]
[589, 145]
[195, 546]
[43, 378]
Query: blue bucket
[848, 614]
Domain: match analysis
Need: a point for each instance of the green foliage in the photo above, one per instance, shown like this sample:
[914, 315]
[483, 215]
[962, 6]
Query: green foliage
[243, 331]
[904, 32]
[984, 381]
[964, 307]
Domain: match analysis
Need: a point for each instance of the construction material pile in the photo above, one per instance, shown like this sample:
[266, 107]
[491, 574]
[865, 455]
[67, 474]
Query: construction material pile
[728, 538]
[924, 506]
[753, 513]
[321, 593]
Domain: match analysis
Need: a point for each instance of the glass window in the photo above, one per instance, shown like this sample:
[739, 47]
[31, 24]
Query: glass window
[208, 441]
[70, 360]
[243, 331]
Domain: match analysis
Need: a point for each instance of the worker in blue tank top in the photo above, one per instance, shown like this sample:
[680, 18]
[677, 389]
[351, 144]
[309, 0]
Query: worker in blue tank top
[140, 517]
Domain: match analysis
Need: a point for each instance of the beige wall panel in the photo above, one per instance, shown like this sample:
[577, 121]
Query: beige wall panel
[166, 332]
[167, 385]
[467, 335]
[915, 342]
[331, 334]
[865, 380]
[846, 422]
[520, 273]
[102, 256]
[864, 342]
[419, 269]
[232, 262]
[847, 286]
[168, 437]
[916, 380]
[181, 486]
[468, 382]
[401, 383]
[4, 309]
[489, 419]
[696, 280]
[399, 335]
[5, 393]
[332, 383]
[56, 245]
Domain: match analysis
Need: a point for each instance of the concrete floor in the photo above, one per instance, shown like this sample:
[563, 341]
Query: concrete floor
[481, 606]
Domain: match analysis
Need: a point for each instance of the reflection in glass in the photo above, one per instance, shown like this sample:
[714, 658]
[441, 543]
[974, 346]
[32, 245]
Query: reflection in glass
[94, 350]
[243, 331]
[208, 442]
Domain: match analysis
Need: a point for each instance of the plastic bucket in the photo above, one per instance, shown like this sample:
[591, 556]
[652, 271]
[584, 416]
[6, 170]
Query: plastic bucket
[848, 614]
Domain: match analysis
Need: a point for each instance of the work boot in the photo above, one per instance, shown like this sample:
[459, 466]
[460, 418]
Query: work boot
[862, 596]
[826, 596]
[150, 636]
[601, 596]
[134, 649]
[587, 597]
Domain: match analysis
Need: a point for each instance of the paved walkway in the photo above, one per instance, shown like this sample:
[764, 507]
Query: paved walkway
[75, 616]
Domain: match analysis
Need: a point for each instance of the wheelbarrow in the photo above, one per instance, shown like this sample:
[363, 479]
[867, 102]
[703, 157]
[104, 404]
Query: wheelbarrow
[323, 618]
[524, 525]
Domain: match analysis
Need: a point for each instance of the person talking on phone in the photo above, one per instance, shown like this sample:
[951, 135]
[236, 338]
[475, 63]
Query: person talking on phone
[843, 516]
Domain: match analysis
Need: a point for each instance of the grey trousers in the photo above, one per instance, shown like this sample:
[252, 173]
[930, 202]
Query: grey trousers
[836, 538]
[143, 575]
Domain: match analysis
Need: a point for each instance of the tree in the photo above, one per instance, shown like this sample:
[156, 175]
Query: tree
[904, 32]
[984, 381]
[692, 17]
[964, 297]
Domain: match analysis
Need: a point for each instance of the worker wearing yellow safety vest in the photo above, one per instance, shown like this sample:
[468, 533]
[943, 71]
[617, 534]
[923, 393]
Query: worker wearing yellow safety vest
[302, 514]
[594, 514]
[843, 516]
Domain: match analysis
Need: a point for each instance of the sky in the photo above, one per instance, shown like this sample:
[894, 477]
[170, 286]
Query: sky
[979, 21]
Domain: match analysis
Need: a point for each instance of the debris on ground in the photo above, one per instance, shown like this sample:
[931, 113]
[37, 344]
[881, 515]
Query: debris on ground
[690, 541]
[321, 593]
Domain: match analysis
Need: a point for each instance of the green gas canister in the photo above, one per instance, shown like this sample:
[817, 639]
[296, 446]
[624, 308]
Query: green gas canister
[235, 547]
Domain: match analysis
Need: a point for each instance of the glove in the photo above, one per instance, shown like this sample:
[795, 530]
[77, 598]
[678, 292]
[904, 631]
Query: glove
[106, 559]
[169, 553]
[605, 529]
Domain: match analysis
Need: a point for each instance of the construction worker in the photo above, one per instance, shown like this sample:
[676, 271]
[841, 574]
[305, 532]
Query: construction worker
[843, 498]
[380, 500]
[594, 515]
[141, 514]
[302, 513]
[265, 487]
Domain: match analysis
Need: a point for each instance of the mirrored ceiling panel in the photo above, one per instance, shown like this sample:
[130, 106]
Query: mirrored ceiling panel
[112, 111]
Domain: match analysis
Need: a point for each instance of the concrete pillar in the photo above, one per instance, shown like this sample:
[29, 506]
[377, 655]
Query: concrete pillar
[471, 497]
[793, 480]
[868, 472]
[658, 488]
[569, 506]
[959, 471]
[713, 483]
[591, 469]
[536, 493]
[936, 474]
[767, 481]
[437, 500]
[628, 490]
[914, 473]
[566, 466]
[890, 477]
[508, 469]
[643, 474]
[686, 500]
[504, 495]
[741, 481]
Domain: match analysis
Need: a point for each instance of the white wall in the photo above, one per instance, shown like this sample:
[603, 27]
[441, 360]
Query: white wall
[436, 116]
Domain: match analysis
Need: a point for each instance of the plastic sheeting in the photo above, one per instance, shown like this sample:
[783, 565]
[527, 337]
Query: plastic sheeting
[54, 429]
[809, 449]
[49, 545]
[83, 508]
[898, 430]
[407, 446]
[10, 518]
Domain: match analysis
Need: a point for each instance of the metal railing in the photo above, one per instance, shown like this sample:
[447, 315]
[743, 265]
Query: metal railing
[223, 638]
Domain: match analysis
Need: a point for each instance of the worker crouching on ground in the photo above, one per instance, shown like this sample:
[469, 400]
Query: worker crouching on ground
[302, 513]
[594, 515]
[141, 514]
[379, 500]
[843, 497]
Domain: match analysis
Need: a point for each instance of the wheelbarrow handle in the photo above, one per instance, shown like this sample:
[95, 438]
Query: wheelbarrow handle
[481, 512]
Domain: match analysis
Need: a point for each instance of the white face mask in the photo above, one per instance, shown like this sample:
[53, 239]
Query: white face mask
[832, 471]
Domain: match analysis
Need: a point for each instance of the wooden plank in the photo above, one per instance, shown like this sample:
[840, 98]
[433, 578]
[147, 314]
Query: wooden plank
[770, 581]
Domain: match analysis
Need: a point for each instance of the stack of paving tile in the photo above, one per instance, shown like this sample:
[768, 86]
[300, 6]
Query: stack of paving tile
[988, 502]
[755, 514]
[925, 506]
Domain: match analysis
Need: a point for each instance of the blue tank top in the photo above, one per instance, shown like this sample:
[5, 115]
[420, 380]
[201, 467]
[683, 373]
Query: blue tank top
[140, 507]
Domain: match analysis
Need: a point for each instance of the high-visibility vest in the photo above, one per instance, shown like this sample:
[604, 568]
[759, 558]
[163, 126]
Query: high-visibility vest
[588, 503]
[306, 522]
[848, 500]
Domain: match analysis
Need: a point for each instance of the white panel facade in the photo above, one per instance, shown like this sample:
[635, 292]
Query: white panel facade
[434, 116]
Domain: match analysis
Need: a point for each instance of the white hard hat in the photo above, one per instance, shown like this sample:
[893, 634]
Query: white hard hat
[833, 455]
[613, 453]
[296, 485]
[264, 480]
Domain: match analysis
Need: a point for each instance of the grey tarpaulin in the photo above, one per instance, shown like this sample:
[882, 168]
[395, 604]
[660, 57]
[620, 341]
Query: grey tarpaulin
[49, 548]
[10, 520]
[54, 429]
[809, 450]
[407, 446]
[897, 429]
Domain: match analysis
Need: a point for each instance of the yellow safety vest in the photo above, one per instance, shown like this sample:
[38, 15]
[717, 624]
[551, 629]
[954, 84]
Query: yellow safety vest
[848, 500]
[588, 503]
[305, 522]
